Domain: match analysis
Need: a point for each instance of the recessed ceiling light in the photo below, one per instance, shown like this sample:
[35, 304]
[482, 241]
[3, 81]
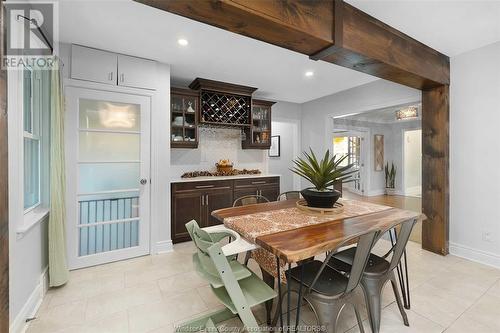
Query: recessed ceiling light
[309, 73]
[182, 42]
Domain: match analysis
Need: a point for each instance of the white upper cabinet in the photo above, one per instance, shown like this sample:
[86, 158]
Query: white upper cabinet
[107, 67]
[94, 65]
[136, 72]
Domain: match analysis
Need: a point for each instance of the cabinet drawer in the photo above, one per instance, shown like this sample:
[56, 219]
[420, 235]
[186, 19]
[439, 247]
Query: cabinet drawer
[202, 186]
[253, 182]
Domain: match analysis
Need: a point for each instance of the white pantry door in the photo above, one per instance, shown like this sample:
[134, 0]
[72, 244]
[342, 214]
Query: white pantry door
[108, 176]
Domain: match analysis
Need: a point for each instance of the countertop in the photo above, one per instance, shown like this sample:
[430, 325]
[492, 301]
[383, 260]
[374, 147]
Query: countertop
[208, 178]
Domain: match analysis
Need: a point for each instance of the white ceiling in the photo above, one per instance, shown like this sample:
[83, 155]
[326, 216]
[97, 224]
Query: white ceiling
[132, 28]
[383, 116]
[451, 27]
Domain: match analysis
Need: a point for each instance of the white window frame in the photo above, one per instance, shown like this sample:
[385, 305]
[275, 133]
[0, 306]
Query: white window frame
[35, 128]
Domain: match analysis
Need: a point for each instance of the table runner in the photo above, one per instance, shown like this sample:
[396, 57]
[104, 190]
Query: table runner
[251, 226]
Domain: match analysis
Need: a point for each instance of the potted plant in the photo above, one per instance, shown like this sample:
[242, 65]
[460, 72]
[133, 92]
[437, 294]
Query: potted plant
[322, 174]
[390, 179]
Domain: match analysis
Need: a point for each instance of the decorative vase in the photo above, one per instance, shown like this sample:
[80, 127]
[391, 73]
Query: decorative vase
[390, 191]
[320, 199]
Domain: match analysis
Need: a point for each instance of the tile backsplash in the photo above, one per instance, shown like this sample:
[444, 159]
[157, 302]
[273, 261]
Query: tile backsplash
[215, 144]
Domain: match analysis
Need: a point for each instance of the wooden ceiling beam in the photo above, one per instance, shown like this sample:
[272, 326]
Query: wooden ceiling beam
[301, 26]
[328, 30]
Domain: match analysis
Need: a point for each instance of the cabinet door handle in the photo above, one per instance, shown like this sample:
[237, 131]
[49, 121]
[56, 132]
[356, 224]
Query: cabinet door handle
[207, 200]
[110, 75]
[203, 200]
[204, 186]
[261, 182]
[122, 77]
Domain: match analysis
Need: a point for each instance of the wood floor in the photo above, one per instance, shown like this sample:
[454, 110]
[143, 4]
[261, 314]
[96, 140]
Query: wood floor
[397, 201]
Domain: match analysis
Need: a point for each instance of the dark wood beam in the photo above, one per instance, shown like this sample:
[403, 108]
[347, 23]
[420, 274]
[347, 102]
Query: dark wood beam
[301, 26]
[435, 165]
[373, 47]
[4, 202]
[339, 33]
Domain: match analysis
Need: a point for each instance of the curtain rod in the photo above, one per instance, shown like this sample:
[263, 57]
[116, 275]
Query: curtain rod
[35, 23]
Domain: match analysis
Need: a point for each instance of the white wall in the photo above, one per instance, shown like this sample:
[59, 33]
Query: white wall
[317, 115]
[475, 155]
[286, 122]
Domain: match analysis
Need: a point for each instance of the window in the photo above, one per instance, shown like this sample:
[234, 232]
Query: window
[31, 88]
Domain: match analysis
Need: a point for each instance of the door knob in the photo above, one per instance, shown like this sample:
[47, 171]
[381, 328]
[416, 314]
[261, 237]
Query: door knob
[144, 181]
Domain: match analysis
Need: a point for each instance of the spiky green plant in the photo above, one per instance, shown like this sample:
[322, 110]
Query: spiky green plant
[390, 175]
[322, 174]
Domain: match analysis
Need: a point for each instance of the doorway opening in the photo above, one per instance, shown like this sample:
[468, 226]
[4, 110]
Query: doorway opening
[412, 163]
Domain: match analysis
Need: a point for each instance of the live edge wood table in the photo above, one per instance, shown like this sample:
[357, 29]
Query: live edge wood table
[290, 235]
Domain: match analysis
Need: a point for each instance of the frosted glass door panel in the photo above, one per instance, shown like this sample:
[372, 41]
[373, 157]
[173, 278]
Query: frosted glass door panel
[104, 115]
[97, 177]
[107, 147]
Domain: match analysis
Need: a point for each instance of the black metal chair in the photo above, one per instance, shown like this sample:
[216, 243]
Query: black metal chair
[289, 195]
[249, 200]
[377, 273]
[327, 290]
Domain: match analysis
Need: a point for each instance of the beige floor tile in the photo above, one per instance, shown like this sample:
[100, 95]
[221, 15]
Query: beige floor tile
[438, 305]
[144, 318]
[495, 289]
[59, 317]
[467, 325]
[81, 289]
[154, 273]
[116, 301]
[155, 293]
[116, 323]
[486, 311]
[208, 296]
[180, 283]
[391, 322]
[164, 329]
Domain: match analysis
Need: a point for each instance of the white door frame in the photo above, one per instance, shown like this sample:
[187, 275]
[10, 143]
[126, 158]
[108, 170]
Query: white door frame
[362, 133]
[73, 92]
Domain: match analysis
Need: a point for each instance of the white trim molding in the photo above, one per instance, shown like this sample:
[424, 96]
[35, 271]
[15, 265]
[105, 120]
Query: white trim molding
[480, 256]
[163, 247]
[30, 308]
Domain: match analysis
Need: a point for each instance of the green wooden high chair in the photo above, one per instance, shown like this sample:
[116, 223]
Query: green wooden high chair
[238, 288]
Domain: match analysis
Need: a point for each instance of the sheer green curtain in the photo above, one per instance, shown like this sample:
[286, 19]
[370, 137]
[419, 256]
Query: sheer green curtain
[58, 268]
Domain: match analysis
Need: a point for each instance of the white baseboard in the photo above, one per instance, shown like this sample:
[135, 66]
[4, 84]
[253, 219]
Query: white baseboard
[163, 247]
[375, 193]
[482, 257]
[29, 309]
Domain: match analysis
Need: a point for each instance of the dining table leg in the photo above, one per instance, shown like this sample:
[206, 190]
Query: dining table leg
[280, 296]
[269, 280]
[288, 296]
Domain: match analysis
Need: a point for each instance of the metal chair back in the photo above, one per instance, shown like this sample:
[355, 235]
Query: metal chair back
[402, 239]
[289, 195]
[364, 246]
[249, 200]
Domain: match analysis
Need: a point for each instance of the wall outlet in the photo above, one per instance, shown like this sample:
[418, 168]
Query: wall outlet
[487, 236]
